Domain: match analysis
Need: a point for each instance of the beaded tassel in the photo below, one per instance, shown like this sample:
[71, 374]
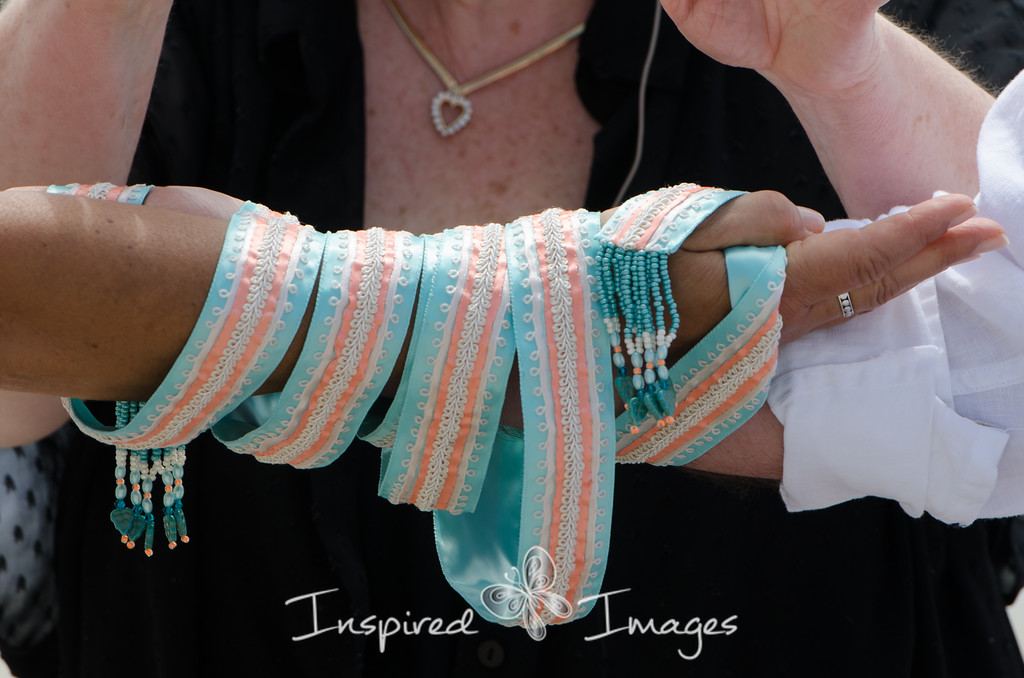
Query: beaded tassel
[635, 283]
[142, 468]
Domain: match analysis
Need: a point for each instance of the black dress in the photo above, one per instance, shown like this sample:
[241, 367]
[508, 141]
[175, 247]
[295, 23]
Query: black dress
[263, 99]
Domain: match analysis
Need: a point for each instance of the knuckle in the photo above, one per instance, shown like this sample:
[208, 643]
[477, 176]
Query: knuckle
[868, 270]
[882, 292]
[868, 260]
[775, 206]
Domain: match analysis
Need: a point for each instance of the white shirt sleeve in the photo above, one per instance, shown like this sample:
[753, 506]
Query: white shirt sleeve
[922, 401]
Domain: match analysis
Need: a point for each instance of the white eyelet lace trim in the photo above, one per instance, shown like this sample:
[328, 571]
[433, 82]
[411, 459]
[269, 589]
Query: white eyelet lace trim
[260, 287]
[565, 343]
[711, 400]
[349, 359]
[467, 353]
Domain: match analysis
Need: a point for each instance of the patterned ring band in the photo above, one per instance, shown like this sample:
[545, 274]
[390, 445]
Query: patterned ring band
[846, 305]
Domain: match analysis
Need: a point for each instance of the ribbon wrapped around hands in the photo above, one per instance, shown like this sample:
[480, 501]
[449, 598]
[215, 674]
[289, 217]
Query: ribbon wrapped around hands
[522, 518]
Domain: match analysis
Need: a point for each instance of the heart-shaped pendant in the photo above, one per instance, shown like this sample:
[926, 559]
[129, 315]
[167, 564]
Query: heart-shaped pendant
[464, 110]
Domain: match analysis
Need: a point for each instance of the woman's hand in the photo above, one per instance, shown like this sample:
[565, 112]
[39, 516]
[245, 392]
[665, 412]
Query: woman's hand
[697, 269]
[891, 121]
[874, 264]
[881, 261]
[817, 45]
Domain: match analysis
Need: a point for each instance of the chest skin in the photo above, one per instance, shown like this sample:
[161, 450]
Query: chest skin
[528, 146]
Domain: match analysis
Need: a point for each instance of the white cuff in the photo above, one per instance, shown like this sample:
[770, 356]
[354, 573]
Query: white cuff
[876, 428]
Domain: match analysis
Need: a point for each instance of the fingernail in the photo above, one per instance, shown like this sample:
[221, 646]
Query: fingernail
[812, 221]
[990, 244]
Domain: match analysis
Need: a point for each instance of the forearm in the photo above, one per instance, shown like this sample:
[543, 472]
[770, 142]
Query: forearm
[96, 299]
[75, 79]
[754, 450]
[902, 125]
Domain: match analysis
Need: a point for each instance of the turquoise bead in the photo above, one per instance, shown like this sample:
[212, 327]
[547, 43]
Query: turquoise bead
[662, 372]
[177, 471]
[136, 496]
[637, 411]
[147, 505]
[650, 402]
[167, 478]
[638, 382]
[649, 376]
[137, 526]
[135, 477]
[119, 471]
[168, 499]
[179, 491]
[122, 519]
[121, 491]
[637, 360]
[667, 399]
[147, 485]
[179, 520]
[618, 360]
[149, 536]
[662, 405]
[624, 386]
[170, 528]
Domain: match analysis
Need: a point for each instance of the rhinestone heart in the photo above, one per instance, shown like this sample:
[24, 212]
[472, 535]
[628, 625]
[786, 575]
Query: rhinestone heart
[463, 108]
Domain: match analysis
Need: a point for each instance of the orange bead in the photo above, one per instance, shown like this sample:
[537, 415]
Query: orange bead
[168, 488]
[670, 420]
[637, 370]
[147, 495]
[177, 481]
[135, 487]
[172, 545]
[617, 349]
[131, 545]
[120, 481]
[184, 540]
[124, 538]
[650, 366]
[149, 553]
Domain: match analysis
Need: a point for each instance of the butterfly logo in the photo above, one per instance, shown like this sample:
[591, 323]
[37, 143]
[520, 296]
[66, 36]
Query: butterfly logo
[527, 593]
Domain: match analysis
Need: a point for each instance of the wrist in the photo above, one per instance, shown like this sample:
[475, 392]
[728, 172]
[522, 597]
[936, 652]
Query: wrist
[842, 70]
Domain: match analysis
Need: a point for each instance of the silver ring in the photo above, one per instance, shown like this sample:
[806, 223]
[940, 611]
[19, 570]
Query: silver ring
[846, 305]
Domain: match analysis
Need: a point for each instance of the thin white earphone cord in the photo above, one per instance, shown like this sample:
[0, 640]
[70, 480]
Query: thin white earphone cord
[642, 106]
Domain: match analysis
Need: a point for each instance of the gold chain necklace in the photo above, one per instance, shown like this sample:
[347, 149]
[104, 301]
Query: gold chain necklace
[456, 93]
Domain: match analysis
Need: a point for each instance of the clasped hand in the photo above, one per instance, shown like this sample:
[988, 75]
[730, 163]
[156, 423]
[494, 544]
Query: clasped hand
[875, 264]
